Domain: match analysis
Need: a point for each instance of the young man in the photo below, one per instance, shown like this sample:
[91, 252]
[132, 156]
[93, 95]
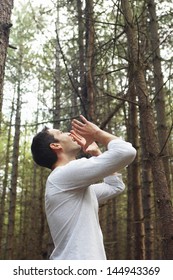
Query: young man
[72, 189]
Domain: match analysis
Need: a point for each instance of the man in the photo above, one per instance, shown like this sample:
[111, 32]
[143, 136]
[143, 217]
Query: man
[72, 189]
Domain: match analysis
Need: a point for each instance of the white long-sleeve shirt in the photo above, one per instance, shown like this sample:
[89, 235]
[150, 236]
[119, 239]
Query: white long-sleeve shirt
[72, 197]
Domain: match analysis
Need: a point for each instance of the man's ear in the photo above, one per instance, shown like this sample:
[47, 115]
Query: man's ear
[55, 146]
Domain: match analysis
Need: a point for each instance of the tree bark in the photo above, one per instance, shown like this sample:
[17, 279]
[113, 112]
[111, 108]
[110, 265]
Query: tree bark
[163, 199]
[82, 72]
[158, 84]
[5, 24]
[134, 173]
[14, 176]
[15, 161]
[148, 200]
[5, 184]
[57, 93]
[89, 14]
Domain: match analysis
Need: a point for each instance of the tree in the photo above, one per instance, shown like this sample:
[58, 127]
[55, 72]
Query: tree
[163, 199]
[159, 96]
[90, 63]
[14, 174]
[134, 175]
[57, 94]
[87, 53]
[5, 183]
[20, 64]
[5, 25]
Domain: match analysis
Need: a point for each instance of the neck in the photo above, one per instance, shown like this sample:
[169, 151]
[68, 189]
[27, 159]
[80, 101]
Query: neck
[63, 160]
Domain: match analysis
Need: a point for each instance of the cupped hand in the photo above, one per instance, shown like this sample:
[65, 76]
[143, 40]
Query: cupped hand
[78, 138]
[91, 149]
[86, 129]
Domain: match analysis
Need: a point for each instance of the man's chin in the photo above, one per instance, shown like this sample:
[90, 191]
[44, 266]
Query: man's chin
[78, 148]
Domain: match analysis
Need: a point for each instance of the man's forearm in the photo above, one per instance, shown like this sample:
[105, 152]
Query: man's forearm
[103, 137]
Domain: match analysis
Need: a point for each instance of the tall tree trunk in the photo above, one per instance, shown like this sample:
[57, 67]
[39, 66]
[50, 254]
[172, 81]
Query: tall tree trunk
[147, 190]
[130, 219]
[134, 172]
[82, 72]
[115, 237]
[5, 183]
[147, 184]
[5, 24]
[110, 230]
[163, 199]
[41, 230]
[23, 204]
[57, 91]
[89, 14]
[158, 84]
[10, 252]
[14, 176]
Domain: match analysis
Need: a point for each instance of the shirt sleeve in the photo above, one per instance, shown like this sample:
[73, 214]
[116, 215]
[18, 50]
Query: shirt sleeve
[111, 187]
[84, 172]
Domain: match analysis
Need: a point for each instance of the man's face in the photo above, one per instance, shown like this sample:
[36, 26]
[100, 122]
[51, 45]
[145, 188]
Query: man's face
[66, 140]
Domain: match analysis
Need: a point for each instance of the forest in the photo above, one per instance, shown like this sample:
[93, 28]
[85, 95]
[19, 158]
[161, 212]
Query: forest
[110, 60]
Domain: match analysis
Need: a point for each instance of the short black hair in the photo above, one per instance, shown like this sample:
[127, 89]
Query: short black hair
[42, 154]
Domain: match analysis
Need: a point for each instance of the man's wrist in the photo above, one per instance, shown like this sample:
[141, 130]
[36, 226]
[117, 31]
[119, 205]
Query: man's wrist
[103, 137]
[96, 135]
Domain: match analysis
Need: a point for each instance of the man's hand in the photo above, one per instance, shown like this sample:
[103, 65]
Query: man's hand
[92, 149]
[86, 129]
[91, 132]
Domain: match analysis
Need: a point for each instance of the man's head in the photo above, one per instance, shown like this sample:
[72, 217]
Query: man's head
[48, 144]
